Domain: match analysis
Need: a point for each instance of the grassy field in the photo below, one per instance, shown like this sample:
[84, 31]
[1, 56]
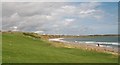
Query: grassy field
[0, 48]
[18, 48]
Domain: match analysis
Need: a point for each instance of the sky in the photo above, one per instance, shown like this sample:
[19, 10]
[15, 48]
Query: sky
[73, 18]
[59, 0]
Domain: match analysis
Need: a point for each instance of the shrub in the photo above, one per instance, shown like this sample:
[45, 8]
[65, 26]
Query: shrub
[32, 35]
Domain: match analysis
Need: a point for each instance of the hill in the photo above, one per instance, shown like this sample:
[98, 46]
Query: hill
[20, 48]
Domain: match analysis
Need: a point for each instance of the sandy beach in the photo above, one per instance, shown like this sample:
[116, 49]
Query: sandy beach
[86, 46]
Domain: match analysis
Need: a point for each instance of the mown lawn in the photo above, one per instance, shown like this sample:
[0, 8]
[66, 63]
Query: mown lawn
[18, 48]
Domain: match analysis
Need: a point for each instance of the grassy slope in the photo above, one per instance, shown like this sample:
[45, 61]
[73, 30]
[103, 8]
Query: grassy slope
[0, 48]
[21, 49]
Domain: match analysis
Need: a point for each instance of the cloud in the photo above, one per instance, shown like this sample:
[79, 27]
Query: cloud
[14, 28]
[59, 1]
[69, 20]
[90, 5]
[87, 12]
[0, 9]
[38, 31]
[51, 17]
[34, 0]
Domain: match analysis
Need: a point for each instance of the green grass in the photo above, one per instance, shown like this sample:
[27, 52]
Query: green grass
[0, 48]
[18, 48]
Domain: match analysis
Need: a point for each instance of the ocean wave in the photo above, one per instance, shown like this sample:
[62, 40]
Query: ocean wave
[55, 39]
[102, 43]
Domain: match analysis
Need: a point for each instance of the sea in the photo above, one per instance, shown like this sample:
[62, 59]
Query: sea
[103, 41]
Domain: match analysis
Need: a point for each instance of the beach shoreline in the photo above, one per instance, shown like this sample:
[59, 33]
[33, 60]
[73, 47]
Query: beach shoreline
[86, 46]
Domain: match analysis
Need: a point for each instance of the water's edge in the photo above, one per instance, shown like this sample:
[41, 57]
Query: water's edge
[101, 44]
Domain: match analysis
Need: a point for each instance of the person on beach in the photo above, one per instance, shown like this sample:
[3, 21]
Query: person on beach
[98, 44]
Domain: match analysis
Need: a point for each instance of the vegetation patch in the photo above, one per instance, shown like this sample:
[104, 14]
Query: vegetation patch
[18, 48]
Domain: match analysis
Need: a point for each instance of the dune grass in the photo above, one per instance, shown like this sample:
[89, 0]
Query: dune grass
[18, 48]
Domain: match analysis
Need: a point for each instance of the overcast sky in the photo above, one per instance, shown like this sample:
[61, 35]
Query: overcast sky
[61, 17]
[59, 0]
